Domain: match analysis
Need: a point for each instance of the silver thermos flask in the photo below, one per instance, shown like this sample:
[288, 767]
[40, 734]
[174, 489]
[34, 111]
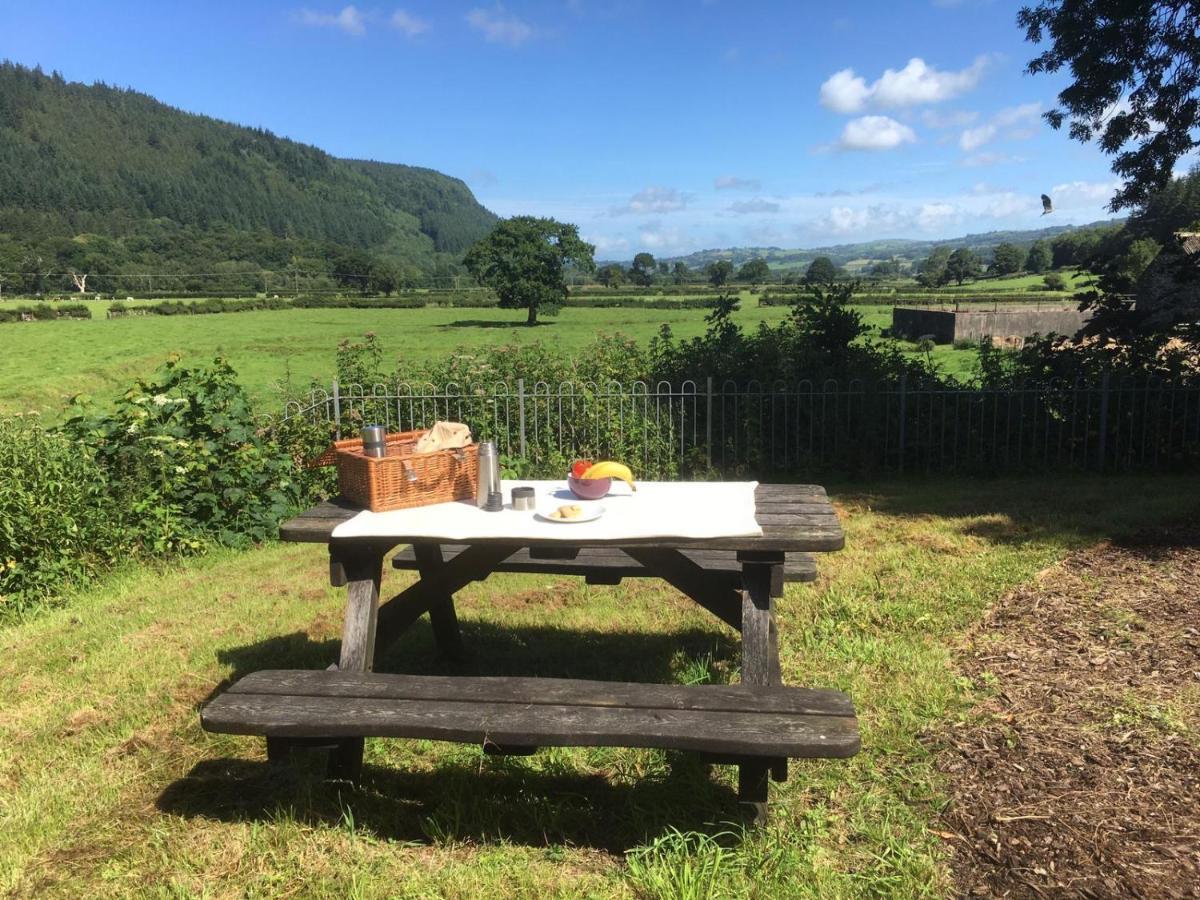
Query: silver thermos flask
[489, 473]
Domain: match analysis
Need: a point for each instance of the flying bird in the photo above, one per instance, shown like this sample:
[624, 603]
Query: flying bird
[1047, 206]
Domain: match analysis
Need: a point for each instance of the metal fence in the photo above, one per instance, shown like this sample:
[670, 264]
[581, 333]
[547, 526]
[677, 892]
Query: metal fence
[666, 429]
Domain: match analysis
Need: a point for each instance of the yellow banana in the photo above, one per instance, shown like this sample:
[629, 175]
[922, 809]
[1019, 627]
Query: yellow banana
[611, 469]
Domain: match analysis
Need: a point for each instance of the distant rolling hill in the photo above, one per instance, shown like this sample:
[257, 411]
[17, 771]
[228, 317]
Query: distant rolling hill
[97, 160]
[912, 250]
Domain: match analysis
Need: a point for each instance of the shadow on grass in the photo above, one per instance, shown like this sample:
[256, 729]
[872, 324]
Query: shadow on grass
[489, 799]
[533, 801]
[1013, 511]
[492, 323]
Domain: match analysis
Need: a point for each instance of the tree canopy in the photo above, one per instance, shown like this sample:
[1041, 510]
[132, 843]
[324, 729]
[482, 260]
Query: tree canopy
[1135, 73]
[642, 270]
[1039, 258]
[524, 260]
[1007, 259]
[961, 265]
[719, 272]
[933, 268]
[821, 271]
[754, 271]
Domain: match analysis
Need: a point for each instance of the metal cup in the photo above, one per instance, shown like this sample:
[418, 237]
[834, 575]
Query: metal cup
[374, 438]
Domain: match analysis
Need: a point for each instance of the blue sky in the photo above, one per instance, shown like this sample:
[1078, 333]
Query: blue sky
[664, 126]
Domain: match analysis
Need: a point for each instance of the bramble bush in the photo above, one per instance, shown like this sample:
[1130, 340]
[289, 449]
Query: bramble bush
[59, 521]
[178, 464]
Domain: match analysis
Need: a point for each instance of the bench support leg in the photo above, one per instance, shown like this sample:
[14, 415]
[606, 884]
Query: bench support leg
[442, 616]
[362, 569]
[760, 666]
[279, 751]
[752, 792]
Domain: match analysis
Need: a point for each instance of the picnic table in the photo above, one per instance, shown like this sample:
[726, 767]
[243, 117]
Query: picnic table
[756, 725]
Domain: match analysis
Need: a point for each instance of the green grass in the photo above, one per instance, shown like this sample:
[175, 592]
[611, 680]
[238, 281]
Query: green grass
[46, 362]
[110, 788]
[1076, 280]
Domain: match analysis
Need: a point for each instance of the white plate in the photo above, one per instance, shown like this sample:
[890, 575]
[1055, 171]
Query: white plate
[591, 512]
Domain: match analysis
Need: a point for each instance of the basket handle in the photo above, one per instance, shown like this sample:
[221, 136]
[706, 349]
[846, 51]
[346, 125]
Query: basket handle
[409, 472]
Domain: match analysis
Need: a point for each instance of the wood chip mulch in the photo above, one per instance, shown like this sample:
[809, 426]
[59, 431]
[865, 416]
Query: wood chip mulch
[1079, 776]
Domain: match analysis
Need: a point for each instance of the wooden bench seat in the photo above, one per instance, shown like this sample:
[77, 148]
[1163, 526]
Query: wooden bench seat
[608, 565]
[735, 721]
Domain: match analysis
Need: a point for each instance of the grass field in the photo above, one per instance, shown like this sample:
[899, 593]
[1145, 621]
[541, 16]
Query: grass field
[45, 362]
[1076, 281]
[110, 788]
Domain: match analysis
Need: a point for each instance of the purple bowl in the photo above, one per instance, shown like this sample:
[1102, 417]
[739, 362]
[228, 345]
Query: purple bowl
[588, 488]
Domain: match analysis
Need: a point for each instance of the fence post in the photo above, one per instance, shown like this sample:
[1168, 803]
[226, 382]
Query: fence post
[521, 414]
[903, 416]
[1102, 445]
[337, 410]
[708, 417]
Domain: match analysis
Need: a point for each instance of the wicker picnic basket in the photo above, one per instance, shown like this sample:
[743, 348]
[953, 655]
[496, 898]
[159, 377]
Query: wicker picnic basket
[403, 479]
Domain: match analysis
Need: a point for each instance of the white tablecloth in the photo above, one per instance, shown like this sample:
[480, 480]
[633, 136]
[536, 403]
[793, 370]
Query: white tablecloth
[658, 509]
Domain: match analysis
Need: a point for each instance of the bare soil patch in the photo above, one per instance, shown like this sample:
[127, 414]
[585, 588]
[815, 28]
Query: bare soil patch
[1079, 775]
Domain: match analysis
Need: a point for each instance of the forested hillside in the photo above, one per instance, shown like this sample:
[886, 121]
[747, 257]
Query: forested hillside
[113, 180]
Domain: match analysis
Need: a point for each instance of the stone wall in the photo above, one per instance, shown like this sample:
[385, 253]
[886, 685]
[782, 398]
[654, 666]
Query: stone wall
[946, 326]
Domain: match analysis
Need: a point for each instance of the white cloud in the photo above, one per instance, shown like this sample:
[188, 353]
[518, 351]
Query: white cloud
[844, 220]
[608, 244]
[757, 205]
[990, 158]
[1023, 115]
[875, 133]
[931, 216]
[653, 200]
[1018, 115]
[974, 138]
[844, 92]
[1075, 194]
[408, 24]
[653, 236]
[349, 20]
[1003, 204]
[500, 27]
[916, 84]
[734, 183]
[959, 118]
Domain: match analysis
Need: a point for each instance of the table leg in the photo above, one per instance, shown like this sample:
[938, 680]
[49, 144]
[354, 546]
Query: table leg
[363, 570]
[442, 616]
[760, 666]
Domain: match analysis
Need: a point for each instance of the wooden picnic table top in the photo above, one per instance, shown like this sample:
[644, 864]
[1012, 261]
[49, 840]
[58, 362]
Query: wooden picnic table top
[793, 517]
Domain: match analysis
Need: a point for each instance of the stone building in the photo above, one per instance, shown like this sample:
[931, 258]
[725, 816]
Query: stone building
[1168, 293]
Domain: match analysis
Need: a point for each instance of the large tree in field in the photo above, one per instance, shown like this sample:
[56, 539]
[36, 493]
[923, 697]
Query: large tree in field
[1039, 258]
[962, 265]
[1007, 259]
[933, 268]
[719, 272]
[754, 271]
[642, 270]
[523, 261]
[1135, 77]
[821, 271]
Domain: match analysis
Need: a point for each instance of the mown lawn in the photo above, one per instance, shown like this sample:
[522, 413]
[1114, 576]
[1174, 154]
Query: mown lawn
[110, 788]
